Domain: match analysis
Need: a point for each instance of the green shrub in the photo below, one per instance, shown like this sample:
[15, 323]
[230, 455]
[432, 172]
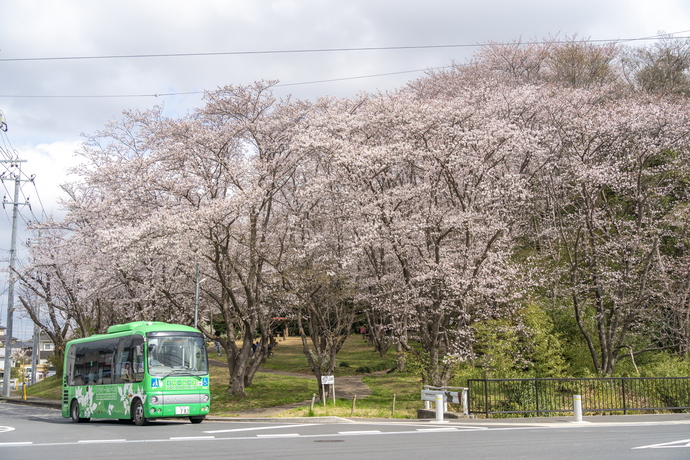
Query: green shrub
[665, 365]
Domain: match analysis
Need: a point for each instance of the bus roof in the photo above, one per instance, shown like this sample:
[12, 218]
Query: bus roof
[141, 327]
[146, 326]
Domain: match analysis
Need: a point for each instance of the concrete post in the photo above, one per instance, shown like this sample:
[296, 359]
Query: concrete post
[439, 408]
[577, 407]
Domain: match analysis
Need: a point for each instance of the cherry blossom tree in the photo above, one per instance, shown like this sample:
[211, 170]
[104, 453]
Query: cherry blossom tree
[318, 274]
[662, 68]
[49, 292]
[245, 136]
[571, 62]
[159, 196]
[609, 188]
[436, 184]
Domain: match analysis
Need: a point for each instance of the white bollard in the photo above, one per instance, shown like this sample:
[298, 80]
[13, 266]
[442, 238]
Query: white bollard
[439, 408]
[577, 407]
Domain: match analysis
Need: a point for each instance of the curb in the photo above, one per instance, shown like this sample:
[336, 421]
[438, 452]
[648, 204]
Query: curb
[45, 403]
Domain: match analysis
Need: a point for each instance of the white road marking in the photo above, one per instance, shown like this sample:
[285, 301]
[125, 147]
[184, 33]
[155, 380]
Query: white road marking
[5, 429]
[426, 430]
[278, 435]
[15, 443]
[101, 441]
[262, 428]
[667, 445]
[190, 438]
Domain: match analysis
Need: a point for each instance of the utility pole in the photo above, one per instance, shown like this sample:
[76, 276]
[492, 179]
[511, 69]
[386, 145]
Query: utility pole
[35, 353]
[16, 177]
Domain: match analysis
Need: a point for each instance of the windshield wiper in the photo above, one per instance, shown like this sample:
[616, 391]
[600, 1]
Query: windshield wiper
[177, 372]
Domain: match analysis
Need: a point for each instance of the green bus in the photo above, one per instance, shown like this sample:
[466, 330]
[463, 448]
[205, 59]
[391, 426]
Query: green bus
[137, 371]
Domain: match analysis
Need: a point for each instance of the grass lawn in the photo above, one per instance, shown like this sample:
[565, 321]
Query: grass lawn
[404, 388]
[355, 358]
[267, 390]
[50, 388]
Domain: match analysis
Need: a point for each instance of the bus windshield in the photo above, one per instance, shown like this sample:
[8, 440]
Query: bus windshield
[176, 354]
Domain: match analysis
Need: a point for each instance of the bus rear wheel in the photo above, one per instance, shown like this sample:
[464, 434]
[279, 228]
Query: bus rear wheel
[74, 413]
[138, 413]
[197, 419]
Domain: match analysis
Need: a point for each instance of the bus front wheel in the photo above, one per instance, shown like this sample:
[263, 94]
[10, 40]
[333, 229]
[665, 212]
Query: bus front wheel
[138, 413]
[197, 419]
[74, 413]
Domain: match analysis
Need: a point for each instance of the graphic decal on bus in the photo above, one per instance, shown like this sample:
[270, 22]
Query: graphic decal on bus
[85, 398]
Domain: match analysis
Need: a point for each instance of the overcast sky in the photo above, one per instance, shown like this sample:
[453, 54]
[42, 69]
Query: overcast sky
[48, 100]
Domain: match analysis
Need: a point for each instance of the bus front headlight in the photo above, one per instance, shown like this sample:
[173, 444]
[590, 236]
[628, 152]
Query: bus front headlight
[154, 399]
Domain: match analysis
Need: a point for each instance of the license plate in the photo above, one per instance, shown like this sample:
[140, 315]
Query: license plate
[182, 410]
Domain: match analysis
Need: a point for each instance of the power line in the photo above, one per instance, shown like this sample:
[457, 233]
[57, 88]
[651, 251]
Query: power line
[327, 50]
[362, 76]
[389, 48]
[186, 93]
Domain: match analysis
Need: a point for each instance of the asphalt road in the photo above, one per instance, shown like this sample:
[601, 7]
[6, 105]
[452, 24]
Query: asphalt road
[28, 433]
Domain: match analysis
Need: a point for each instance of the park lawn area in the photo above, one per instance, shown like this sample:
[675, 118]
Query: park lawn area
[404, 387]
[270, 390]
[267, 390]
[356, 357]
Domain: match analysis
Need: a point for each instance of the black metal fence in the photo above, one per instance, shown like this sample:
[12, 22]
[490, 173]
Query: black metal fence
[553, 396]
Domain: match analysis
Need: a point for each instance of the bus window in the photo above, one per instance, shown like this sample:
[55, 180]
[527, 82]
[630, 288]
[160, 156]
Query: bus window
[176, 354]
[106, 353]
[123, 367]
[138, 358]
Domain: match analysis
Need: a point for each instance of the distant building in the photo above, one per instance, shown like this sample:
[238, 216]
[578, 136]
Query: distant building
[45, 351]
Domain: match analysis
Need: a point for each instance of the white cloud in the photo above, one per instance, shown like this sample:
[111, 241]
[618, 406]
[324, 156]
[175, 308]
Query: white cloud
[49, 162]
